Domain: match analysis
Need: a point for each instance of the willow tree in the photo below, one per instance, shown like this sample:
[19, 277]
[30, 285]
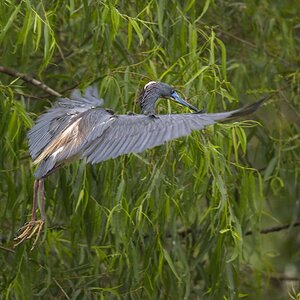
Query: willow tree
[180, 221]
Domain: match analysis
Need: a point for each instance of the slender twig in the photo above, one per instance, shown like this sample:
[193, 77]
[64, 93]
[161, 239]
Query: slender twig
[275, 228]
[284, 278]
[29, 79]
[63, 57]
[61, 288]
[247, 43]
[184, 233]
[31, 96]
[7, 249]
[75, 85]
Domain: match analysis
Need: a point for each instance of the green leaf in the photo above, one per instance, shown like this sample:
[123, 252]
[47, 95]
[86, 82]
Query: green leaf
[198, 73]
[9, 23]
[171, 265]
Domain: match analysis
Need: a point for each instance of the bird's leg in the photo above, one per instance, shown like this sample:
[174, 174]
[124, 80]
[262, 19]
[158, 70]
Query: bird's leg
[34, 226]
[35, 199]
[38, 225]
[26, 229]
[42, 200]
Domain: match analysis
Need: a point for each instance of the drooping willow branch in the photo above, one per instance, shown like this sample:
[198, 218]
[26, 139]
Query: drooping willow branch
[30, 79]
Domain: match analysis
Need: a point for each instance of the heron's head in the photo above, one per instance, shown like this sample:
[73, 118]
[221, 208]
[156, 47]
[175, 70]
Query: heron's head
[154, 90]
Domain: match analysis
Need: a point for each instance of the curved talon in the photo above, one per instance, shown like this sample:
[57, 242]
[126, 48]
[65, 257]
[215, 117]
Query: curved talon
[28, 231]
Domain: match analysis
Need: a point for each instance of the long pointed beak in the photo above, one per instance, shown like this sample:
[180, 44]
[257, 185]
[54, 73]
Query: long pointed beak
[179, 100]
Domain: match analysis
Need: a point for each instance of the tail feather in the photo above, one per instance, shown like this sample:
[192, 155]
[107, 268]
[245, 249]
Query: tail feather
[44, 167]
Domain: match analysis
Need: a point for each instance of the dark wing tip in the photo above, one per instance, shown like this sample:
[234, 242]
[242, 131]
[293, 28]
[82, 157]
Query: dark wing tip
[247, 110]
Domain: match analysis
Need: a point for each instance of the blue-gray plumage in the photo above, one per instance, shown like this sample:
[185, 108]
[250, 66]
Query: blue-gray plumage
[79, 128]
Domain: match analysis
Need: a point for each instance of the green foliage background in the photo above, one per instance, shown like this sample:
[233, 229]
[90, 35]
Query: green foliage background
[180, 221]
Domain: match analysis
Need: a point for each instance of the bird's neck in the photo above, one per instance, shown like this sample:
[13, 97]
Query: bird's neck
[148, 104]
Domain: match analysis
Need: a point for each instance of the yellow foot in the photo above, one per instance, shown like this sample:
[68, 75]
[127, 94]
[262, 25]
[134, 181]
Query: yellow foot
[28, 231]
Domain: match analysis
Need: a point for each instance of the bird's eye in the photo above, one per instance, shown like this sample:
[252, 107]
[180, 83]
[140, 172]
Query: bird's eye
[172, 92]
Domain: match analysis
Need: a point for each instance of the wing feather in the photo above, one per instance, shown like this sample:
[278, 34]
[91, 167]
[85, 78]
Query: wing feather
[136, 133]
[100, 135]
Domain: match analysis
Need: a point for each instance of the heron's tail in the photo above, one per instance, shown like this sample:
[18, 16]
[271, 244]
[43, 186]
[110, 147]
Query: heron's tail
[44, 167]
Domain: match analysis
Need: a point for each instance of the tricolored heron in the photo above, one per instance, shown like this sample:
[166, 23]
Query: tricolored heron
[82, 129]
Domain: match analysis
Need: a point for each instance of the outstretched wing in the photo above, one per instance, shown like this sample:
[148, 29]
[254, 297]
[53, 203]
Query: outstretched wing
[135, 133]
[97, 134]
[58, 118]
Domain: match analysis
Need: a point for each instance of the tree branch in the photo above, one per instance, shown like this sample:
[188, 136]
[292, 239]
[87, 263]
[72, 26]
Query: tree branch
[185, 232]
[275, 228]
[284, 278]
[29, 79]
